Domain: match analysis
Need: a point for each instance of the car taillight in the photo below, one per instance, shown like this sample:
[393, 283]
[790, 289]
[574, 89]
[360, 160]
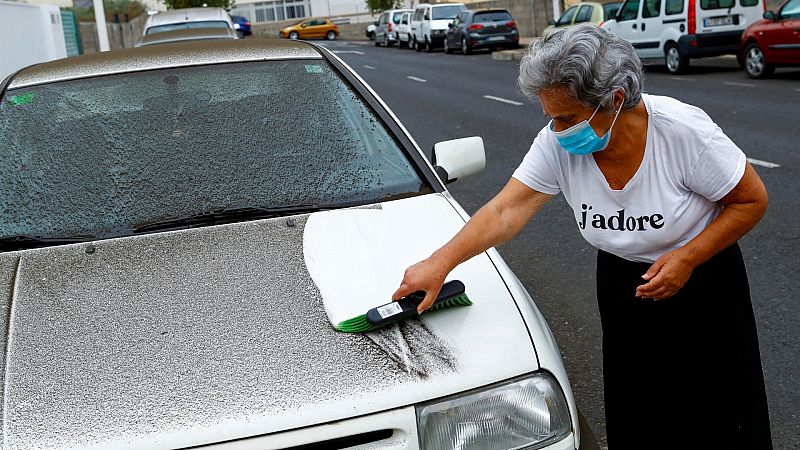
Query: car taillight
[511, 24]
[475, 27]
[390, 28]
[600, 25]
[247, 24]
[692, 17]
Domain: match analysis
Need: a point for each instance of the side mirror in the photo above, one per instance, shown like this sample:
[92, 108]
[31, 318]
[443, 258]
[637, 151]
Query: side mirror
[303, 25]
[459, 158]
[450, 25]
[375, 23]
[427, 17]
[551, 22]
[769, 15]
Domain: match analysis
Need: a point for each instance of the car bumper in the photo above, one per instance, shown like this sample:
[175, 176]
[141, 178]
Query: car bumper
[437, 39]
[710, 44]
[494, 41]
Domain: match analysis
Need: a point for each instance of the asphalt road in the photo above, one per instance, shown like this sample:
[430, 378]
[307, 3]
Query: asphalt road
[440, 97]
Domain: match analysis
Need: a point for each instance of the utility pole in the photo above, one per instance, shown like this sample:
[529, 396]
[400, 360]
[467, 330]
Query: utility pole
[100, 20]
[556, 9]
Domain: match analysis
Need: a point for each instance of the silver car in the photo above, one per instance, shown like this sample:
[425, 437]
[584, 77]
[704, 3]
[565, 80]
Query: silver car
[187, 18]
[180, 226]
[195, 34]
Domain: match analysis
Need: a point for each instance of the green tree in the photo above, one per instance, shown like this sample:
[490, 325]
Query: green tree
[381, 5]
[177, 4]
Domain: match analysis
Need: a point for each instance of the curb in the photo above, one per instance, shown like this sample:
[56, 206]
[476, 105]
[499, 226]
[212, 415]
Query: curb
[508, 55]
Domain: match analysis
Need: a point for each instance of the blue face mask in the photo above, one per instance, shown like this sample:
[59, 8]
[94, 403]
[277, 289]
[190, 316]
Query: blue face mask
[581, 139]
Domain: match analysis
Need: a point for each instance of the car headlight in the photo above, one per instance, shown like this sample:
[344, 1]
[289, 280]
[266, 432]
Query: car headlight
[527, 413]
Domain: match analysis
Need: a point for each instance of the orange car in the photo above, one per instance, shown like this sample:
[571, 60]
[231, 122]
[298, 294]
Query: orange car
[311, 28]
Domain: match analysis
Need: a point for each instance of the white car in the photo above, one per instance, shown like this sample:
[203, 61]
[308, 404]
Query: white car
[173, 288]
[404, 30]
[430, 23]
[387, 28]
[187, 18]
[674, 31]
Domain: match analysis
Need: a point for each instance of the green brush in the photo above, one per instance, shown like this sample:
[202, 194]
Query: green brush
[452, 294]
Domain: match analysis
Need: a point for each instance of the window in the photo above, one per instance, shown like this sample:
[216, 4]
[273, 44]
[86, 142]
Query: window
[493, 16]
[717, 4]
[396, 17]
[610, 11]
[418, 15]
[187, 26]
[446, 12]
[584, 14]
[404, 20]
[629, 11]
[651, 8]
[675, 6]
[749, 2]
[384, 19]
[566, 18]
[791, 10]
[147, 146]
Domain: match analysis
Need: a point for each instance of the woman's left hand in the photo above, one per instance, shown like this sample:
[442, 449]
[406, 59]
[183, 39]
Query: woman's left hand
[666, 276]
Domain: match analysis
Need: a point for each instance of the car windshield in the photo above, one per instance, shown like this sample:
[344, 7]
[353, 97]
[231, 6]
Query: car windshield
[492, 16]
[446, 12]
[187, 26]
[101, 157]
[610, 10]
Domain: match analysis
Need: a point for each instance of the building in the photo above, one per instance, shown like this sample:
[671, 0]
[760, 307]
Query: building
[341, 11]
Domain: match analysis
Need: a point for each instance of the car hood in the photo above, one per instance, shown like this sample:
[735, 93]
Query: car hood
[204, 335]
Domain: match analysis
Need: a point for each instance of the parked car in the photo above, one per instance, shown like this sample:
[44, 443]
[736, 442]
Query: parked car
[242, 26]
[593, 12]
[310, 29]
[170, 288]
[674, 31]
[386, 29]
[772, 41]
[194, 34]
[370, 31]
[187, 18]
[404, 30]
[429, 24]
[485, 28]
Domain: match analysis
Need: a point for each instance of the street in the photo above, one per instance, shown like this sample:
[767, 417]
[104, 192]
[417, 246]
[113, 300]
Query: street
[439, 97]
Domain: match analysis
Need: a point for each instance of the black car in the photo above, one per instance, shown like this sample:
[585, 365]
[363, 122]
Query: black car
[485, 28]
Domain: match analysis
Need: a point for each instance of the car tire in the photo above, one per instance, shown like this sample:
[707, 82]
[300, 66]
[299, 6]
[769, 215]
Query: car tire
[240, 34]
[385, 40]
[447, 48]
[676, 62]
[417, 47]
[294, 35]
[754, 63]
[331, 35]
[465, 47]
[428, 46]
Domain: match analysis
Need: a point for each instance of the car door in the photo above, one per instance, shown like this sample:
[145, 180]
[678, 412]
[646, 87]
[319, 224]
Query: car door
[416, 24]
[380, 30]
[651, 24]
[584, 14]
[781, 38]
[627, 26]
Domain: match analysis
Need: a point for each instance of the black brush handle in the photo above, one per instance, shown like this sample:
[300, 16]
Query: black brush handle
[407, 306]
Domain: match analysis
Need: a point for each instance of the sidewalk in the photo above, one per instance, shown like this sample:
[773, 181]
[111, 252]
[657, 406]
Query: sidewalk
[513, 55]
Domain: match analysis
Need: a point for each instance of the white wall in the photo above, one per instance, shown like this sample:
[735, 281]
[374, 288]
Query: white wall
[29, 34]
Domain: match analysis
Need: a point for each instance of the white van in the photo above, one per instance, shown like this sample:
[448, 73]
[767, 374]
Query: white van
[430, 22]
[673, 31]
[187, 18]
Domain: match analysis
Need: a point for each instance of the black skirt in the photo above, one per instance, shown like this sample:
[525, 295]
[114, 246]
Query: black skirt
[684, 372]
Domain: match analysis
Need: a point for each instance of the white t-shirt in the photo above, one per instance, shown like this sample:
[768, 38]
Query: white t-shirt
[688, 166]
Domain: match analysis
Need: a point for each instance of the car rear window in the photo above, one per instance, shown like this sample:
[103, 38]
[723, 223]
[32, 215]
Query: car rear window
[187, 26]
[610, 10]
[674, 7]
[493, 16]
[111, 153]
[397, 16]
[717, 4]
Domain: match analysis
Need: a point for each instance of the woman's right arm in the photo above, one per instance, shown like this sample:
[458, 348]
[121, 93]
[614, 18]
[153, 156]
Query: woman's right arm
[496, 222]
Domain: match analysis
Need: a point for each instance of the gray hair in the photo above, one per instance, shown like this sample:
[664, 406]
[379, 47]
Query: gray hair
[588, 61]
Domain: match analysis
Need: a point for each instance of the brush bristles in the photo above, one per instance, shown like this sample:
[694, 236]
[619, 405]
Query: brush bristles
[359, 324]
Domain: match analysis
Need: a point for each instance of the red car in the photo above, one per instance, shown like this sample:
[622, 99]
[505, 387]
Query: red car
[772, 41]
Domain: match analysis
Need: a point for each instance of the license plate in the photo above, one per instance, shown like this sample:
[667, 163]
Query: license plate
[495, 38]
[718, 21]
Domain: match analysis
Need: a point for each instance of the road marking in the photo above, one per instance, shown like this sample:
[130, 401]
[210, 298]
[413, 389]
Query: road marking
[731, 83]
[369, 67]
[683, 78]
[416, 79]
[356, 52]
[503, 100]
[758, 162]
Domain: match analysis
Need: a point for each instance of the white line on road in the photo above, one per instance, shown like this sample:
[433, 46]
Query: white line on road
[503, 100]
[682, 78]
[731, 83]
[416, 79]
[356, 52]
[758, 162]
[369, 67]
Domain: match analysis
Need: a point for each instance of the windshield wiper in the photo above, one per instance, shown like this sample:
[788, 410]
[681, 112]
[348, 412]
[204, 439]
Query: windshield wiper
[231, 215]
[21, 242]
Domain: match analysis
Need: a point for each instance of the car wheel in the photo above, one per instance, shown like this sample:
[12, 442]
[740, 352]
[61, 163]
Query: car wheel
[385, 40]
[417, 47]
[465, 47]
[428, 46]
[294, 35]
[331, 35]
[447, 48]
[240, 34]
[676, 62]
[754, 63]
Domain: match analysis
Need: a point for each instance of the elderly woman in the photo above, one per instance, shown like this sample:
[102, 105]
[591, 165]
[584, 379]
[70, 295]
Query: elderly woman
[664, 195]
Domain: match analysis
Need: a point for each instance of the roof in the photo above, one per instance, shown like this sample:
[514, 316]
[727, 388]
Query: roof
[187, 35]
[163, 56]
[186, 15]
